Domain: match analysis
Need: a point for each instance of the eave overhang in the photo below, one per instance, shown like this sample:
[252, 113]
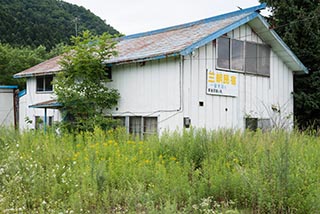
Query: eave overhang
[51, 104]
[269, 36]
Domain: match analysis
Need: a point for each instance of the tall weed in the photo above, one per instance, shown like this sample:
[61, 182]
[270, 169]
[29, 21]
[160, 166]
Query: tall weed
[194, 171]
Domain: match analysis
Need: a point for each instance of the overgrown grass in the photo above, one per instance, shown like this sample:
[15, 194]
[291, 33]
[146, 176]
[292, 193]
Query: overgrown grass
[192, 172]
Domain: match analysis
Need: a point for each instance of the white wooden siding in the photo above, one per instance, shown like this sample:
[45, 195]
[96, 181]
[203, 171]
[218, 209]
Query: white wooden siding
[6, 107]
[171, 89]
[255, 97]
[30, 98]
[150, 89]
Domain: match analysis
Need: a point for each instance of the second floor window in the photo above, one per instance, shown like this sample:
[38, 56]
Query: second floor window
[44, 83]
[243, 56]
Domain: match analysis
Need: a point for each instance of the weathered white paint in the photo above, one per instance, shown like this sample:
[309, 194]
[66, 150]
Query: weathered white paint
[256, 94]
[152, 89]
[7, 107]
[33, 97]
[171, 89]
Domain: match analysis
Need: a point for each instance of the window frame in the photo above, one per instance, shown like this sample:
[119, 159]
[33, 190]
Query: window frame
[259, 57]
[136, 128]
[244, 58]
[147, 132]
[242, 54]
[44, 80]
[39, 122]
[108, 72]
[217, 53]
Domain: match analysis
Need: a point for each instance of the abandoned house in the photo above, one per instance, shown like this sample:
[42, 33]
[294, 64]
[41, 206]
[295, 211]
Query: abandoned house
[228, 71]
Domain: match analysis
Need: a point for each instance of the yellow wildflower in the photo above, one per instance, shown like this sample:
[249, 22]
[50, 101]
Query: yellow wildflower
[173, 158]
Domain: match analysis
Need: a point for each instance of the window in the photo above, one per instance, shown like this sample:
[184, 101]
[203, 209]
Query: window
[142, 126]
[135, 125]
[108, 70]
[239, 55]
[44, 83]
[150, 125]
[223, 53]
[254, 123]
[263, 60]
[39, 122]
[237, 52]
[251, 57]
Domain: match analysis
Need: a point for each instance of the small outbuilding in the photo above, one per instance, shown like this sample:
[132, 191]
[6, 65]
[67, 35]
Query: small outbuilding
[8, 106]
[228, 71]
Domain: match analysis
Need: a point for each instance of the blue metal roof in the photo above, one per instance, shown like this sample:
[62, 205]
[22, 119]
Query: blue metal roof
[53, 104]
[183, 39]
[47, 67]
[262, 28]
[180, 39]
[8, 86]
[22, 93]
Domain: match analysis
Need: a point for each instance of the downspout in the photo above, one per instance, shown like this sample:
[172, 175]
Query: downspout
[15, 108]
[181, 64]
[45, 120]
[180, 109]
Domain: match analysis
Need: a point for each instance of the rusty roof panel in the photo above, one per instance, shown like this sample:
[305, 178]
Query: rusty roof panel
[170, 41]
[161, 43]
[44, 68]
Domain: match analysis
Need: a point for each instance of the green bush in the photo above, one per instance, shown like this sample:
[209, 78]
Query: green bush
[195, 171]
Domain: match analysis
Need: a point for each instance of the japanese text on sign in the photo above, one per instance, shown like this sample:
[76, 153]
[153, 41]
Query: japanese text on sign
[222, 83]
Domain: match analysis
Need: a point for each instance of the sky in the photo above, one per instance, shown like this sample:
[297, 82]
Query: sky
[136, 16]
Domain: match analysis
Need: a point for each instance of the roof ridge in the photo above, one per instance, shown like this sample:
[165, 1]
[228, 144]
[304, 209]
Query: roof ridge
[205, 20]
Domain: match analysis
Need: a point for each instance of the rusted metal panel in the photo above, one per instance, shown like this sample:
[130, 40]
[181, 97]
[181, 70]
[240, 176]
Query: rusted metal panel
[47, 67]
[169, 41]
[152, 45]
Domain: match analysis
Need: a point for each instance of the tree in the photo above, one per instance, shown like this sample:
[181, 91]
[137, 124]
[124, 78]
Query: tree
[297, 22]
[81, 86]
[17, 59]
[46, 22]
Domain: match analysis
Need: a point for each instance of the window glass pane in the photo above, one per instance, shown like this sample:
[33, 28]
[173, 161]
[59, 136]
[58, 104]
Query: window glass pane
[39, 122]
[50, 121]
[48, 83]
[150, 125]
[252, 124]
[223, 60]
[40, 86]
[264, 124]
[264, 60]
[251, 57]
[237, 61]
[108, 70]
[135, 125]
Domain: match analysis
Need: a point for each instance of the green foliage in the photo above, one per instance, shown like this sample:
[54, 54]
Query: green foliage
[297, 22]
[14, 60]
[81, 86]
[108, 172]
[46, 22]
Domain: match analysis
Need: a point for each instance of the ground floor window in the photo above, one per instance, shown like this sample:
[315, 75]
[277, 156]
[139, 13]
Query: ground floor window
[39, 122]
[135, 125]
[138, 125]
[150, 125]
[254, 123]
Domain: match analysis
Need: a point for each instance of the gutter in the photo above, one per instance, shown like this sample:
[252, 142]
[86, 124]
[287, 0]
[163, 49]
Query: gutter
[34, 74]
[157, 57]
